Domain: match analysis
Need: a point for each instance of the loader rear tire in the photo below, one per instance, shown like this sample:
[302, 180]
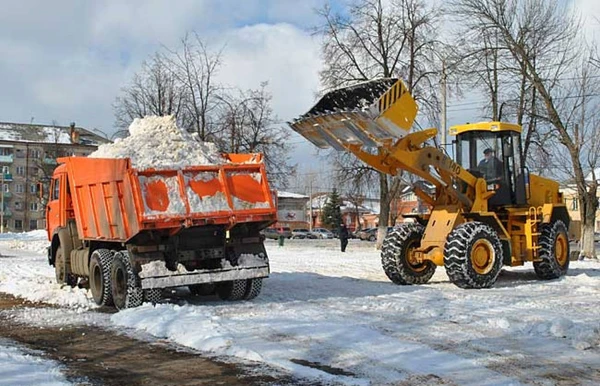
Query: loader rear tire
[232, 290]
[253, 288]
[99, 281]
[126, 287]
[395, 256]
[553, 252]
[60, 270]
[204, 289]
[473, 255]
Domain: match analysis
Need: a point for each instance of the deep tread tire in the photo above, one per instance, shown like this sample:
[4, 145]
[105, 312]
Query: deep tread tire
[459, 260]
[126, 287]
[253, 288]
[550, 267]
[153, 295]
[395, 252]
[232, 290]
[99, 280]
[60, 270]
[203, 289]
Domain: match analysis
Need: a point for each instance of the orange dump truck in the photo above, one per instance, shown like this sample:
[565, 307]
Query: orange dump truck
[130, 233]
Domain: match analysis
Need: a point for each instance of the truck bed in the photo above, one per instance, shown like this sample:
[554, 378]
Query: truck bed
[114, 202]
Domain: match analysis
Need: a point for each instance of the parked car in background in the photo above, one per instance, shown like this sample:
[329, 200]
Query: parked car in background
[302, 234]
[370, 234]
[273, 233]
[322, 233]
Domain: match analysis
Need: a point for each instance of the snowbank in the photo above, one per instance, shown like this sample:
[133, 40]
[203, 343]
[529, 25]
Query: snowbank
[157, 142]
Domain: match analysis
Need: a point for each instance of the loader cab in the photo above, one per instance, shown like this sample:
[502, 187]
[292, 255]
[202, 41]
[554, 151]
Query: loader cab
[492, 150]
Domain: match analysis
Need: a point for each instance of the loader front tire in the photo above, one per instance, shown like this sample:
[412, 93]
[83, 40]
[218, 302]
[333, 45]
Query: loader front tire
[473, 255]
[553, 252]
[99, 281]
[232, 290]
[396, 256]
[126, 287]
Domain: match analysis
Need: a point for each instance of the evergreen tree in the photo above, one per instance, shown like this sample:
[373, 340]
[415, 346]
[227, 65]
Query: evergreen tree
[331, 216]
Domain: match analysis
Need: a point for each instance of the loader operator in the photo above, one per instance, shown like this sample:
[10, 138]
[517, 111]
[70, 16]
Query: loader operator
[491, 167]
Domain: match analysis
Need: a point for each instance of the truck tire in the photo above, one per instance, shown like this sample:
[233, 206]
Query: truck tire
[126, 287]
[99, 281]
[253, 288]
[395, 252]
[473, 255]
[152, 295]
[232, 290]
[60, 270]
[203, 289]
[553, 252]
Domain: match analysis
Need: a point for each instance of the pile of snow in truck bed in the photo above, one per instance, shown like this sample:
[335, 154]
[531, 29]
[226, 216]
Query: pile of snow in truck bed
[157, 142]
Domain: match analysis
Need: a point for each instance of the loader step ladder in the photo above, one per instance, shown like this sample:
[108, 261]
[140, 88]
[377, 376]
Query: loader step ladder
[532, 233]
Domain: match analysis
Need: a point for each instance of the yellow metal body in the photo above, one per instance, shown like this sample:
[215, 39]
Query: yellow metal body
[384, 124]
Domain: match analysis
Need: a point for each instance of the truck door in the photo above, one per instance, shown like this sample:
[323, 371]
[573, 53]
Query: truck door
[53, 208]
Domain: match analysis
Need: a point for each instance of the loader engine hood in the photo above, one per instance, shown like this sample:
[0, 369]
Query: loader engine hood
[366, 114]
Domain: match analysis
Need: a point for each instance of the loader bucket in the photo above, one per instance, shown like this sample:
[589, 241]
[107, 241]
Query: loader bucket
[367, 114]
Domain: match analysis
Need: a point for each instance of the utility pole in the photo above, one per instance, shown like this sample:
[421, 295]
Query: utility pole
[444, 117]
[310, 221]
[2, 205]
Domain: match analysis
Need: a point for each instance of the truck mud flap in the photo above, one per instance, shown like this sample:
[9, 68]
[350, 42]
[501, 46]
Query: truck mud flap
[200, 277]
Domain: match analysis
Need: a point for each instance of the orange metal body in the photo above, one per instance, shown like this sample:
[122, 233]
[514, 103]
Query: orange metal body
[112, 201]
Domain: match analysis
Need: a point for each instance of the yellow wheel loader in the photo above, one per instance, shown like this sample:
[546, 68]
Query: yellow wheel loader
[487, 210]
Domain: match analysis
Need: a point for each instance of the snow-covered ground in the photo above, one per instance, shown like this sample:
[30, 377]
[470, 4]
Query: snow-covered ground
[19, 366]
[334, 317]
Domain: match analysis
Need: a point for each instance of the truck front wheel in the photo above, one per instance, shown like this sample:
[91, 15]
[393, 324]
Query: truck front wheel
[60, 270]
[99, 281]
[126, 288]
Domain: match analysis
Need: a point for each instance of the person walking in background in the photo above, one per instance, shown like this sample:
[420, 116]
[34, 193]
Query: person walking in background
[343, 236]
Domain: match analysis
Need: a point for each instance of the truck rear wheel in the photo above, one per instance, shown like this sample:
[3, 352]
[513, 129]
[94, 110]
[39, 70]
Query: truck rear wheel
[473, 255]
[232, 290]
[60, 270]
[99, 281]
[253, 288]
[203, 289]
[152, 295]
[553, 252]
[126, 287]
[396, 256]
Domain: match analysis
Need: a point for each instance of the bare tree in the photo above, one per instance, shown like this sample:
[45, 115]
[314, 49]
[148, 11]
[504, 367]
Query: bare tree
[379, 39]
[249, 126]
[153, 91]
[545, 40]
[195, 67]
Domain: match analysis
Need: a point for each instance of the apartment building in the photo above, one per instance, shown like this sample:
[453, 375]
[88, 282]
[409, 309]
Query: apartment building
[28, 156]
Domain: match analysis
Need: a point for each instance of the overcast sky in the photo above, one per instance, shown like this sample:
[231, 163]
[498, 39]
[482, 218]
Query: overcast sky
[65, 61]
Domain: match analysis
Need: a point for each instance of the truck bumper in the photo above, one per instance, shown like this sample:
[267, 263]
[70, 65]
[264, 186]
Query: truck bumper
[199, 277]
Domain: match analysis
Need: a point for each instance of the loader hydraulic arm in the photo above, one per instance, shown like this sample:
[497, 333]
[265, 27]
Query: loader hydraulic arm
[409, 154]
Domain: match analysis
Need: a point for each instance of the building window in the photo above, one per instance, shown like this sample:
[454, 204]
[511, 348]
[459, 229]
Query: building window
[35, 153]
[19, 188]
[19, 225]
[32, 225]
[33, 188]
[33, 171]
[5, 170]
[33, 206]
[5, 188]
[20, 154]
[5, 151]
[20, 170]
[17, 205]
[575, 204]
